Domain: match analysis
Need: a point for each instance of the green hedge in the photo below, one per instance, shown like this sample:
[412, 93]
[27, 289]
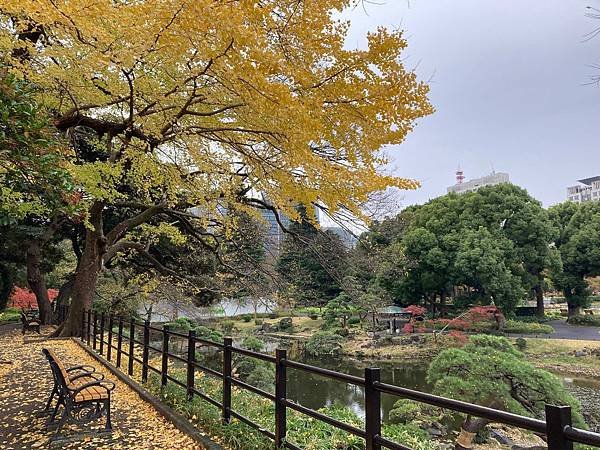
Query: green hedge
[588, 320]
[520, 327]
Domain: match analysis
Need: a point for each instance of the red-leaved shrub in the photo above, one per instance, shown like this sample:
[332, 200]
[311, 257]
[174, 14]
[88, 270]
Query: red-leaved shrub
[25, 299]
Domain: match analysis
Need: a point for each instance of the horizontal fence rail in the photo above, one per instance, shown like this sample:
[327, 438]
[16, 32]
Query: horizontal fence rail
[557, 428]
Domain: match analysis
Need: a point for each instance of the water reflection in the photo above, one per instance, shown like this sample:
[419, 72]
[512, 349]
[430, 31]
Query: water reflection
[315, 391]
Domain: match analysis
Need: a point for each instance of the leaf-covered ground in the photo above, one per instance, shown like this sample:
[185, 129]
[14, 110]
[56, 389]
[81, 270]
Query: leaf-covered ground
[26, 381]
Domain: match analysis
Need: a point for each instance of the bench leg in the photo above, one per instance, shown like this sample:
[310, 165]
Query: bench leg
[55, 410]
[107, 408]
[61, 423]
[49, 402]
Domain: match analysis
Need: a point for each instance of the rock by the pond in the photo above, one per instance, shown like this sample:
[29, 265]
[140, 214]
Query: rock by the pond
[500, 437]
[267, 327]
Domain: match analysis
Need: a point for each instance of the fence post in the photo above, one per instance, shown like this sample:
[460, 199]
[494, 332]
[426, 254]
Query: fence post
[83, 326]
[102, 334]
[557, 418]
[372, 408]
[95, 329]
[131, 345]
[280, 397]
[165, 357]
[191, 359]
[110, 333]
[87, 332]
[119, 342]
[227, 380]
[145, 351]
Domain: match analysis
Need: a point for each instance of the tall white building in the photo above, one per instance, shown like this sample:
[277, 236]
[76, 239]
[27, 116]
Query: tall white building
[588, 190]
[472, 185]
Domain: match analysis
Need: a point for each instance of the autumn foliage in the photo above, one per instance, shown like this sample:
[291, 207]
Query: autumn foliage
[475, 319]
[25, 299]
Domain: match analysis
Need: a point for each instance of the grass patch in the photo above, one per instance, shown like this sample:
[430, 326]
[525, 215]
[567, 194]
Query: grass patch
[10, 315]
[560, 354]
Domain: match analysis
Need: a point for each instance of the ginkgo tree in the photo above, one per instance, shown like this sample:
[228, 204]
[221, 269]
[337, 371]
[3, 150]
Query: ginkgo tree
[180, 110]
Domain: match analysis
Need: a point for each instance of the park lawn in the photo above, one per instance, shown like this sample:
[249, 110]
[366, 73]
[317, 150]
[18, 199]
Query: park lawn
[559, 355]
[9, 315]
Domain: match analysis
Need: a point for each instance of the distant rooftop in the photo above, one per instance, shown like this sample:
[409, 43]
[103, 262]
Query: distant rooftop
[589, 181]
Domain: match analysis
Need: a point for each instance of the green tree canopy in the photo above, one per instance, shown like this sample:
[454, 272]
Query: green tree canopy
[579, 246]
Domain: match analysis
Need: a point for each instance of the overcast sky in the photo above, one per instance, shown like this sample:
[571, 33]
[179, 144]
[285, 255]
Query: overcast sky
[508, 81]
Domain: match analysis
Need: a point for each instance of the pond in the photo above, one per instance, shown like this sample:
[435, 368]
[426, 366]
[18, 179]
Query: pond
[315, 391]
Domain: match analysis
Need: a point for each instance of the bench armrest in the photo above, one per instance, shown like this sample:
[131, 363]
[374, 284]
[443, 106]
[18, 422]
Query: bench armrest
[108, 385]
[95, 376]
[83, 367]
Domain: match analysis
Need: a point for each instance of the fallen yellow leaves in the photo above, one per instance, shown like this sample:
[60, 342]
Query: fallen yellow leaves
[25, 383]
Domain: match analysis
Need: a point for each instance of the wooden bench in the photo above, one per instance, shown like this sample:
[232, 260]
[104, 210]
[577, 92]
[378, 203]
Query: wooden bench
[83, 394]
[30, 323]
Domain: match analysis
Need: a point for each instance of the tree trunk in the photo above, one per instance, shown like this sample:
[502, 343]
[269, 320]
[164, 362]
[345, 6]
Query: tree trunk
[443, 304]
[37, 281]
[539, 299]
[86, 275]
[65, 291]
[6, 286]
[573, 310]
[469, 429]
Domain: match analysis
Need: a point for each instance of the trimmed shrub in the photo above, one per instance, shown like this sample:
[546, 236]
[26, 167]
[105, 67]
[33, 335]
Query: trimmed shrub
[285, 324]
[314, 316]
[227, 326]
[324, 343]
[593, 321]
[521, 344]
[253, 343]
[517, 326]
[353, 321]
[246, 318]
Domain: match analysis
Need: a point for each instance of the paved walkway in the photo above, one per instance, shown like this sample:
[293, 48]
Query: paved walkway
[562, 330]
[25, 382]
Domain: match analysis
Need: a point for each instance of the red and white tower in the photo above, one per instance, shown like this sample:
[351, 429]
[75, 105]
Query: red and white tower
[460, 177]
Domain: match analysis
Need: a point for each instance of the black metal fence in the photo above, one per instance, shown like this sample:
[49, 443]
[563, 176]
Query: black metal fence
[98, 333]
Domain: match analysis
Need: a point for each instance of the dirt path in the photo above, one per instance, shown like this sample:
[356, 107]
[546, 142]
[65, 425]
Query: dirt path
[26, 381]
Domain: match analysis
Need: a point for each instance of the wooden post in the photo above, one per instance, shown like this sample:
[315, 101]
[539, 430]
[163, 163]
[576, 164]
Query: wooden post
[102, 334]
[95, 329]
[557, 418]
[87, 333]
[280, 397]
[226, 413]
[83, 328]
[372, 408]
[119, 342]
[191, 359]
[110, 333]
[165, 357]
[131, 346]
[146, 342]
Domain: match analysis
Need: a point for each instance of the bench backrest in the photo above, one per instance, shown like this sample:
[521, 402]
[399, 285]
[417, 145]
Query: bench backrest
[59, 372]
